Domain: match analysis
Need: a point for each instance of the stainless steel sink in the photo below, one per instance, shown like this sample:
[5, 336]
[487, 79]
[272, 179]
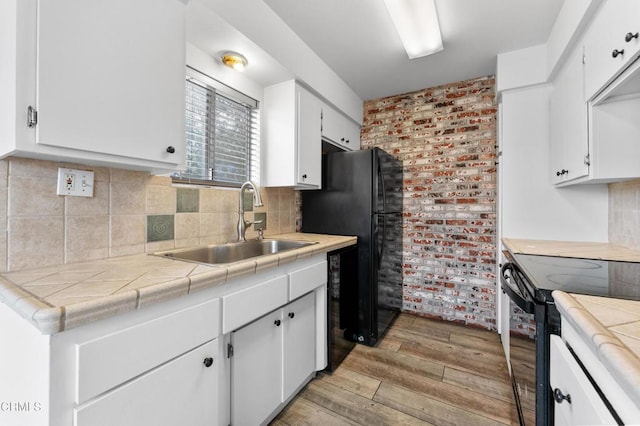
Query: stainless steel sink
[233, 252]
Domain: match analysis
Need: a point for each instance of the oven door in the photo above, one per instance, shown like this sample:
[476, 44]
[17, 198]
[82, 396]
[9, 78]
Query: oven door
[520, 346]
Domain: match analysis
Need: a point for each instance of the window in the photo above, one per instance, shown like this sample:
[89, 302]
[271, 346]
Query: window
[222, 134]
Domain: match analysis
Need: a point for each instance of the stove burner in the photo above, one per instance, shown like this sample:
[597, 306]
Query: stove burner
[580, 283]
[565, 262]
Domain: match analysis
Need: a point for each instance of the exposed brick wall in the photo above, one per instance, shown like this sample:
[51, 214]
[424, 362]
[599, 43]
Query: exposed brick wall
[446, 138]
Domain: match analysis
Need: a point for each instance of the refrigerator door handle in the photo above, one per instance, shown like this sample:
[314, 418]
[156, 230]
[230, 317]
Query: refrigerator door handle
[382, 245]
[384, 189]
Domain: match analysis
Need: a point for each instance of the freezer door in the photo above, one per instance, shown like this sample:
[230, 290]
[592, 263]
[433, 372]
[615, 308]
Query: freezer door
[388, 184]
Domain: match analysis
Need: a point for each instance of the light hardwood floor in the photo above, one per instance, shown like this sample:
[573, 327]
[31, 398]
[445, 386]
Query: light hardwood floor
[422, 372]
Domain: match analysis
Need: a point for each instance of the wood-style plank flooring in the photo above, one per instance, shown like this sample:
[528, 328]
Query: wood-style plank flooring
[422, 372]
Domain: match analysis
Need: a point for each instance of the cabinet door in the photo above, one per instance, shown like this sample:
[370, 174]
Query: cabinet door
[182, 392]
[299, 343]
[607, 33]
[111, 77]
[309, 139]
[567, 378]
[256, 370]
[339, 129]
[568, 122]
[352, 135]
[332, 128]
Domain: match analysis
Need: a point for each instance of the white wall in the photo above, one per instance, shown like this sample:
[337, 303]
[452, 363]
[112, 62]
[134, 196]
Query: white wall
[267, 30]
[530, 206]
[521, 68]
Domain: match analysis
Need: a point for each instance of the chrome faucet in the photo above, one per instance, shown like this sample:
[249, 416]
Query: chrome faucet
[257, 202]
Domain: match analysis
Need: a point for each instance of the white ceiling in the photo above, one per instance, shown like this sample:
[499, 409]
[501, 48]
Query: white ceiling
[356, 39]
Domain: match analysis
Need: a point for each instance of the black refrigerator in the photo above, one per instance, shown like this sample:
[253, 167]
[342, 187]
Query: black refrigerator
[361, 195]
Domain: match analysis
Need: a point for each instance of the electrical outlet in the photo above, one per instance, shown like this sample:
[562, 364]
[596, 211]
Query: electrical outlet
[74, 182]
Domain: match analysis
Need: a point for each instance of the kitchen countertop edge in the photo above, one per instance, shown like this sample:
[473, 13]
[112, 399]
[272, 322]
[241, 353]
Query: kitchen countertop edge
[50, 319]
[623, 364]
[576, 249]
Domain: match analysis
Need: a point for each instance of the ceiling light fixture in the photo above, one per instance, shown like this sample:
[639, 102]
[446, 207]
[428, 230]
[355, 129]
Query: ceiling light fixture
[234, 60]
[417, 24]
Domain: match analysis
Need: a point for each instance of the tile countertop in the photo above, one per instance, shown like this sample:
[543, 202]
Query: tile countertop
[587, 250]
[611, 328]
[61, 297]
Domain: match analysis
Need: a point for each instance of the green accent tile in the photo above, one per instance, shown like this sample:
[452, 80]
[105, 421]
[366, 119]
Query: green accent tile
[248, 201]
[263, 218]
[160, 228]
[187, 200]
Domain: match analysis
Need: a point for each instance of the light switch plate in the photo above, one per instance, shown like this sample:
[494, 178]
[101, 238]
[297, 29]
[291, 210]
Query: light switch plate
[78, 183]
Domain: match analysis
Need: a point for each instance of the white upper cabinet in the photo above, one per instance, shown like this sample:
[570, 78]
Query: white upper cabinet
[595, 104]
[568, 121]
[292, 141]
[107, 80]
[611, 42]
[340, 130]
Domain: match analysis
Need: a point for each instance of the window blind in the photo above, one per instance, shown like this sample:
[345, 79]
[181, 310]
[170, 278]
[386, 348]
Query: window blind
[222, 134]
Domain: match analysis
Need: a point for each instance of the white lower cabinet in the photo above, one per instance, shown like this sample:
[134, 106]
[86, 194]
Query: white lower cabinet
[272, 358]
[576, 400]
[183, 391]
[298, 357]
[167, 363]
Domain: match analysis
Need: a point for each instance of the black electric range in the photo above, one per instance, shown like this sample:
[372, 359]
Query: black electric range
[593, 277]
[529, 281]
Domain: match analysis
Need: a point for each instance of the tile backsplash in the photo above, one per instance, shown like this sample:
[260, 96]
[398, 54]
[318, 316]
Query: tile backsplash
[131, 212]
[624, 213]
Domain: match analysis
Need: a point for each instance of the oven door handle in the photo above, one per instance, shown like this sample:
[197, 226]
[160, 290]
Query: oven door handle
[515, 290]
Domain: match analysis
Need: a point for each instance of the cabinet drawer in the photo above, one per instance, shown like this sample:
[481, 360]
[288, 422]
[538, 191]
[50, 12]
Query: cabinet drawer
[110, 360]
[183, 391]
[304, 280]
[566, 376]
[244, 306]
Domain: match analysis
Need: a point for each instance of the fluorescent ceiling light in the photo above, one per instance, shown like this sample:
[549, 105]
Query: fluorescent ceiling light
[417, 24]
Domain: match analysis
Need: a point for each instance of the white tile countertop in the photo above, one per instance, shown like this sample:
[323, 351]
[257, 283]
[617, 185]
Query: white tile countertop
[58, 298]
[580, 249]
[611, 328]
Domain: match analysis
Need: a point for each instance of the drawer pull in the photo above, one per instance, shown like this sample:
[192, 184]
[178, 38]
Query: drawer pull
[630, 36]
[292, 314]
[277, 323]
[208, 362]
[559, 396]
